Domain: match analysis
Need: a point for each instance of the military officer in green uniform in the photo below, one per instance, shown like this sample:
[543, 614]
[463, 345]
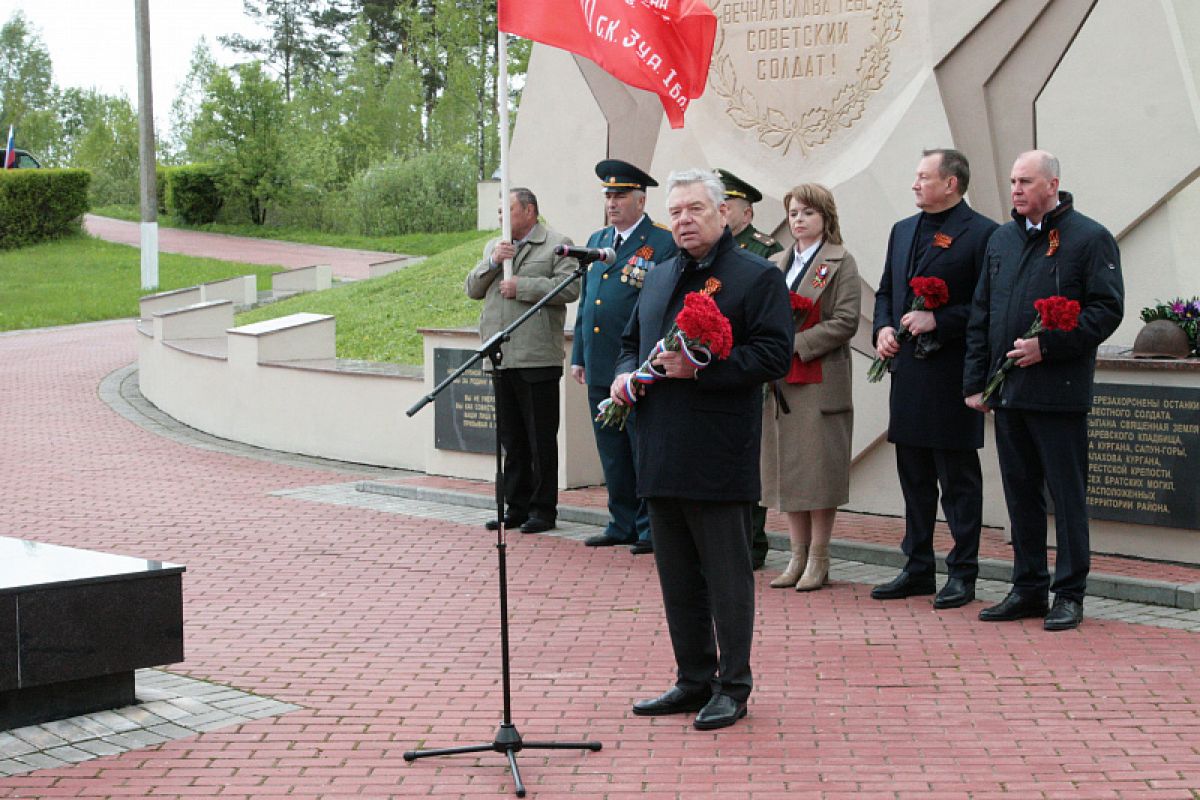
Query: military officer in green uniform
[741, 197]
[606, 302]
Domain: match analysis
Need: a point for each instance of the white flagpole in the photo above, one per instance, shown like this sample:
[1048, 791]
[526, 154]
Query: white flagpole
[502, 102]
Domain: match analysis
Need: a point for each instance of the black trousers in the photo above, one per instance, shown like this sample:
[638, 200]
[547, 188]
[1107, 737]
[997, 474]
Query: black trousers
[702, 550]
[1036, 449]
[922, 470]
[528, 401]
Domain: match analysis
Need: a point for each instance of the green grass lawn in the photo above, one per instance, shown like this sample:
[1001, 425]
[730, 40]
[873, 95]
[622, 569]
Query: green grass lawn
[80, 279]
[416, 244]
[377, 320]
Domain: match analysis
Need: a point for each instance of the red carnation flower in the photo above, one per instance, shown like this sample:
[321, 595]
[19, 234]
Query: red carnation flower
[929, 293]
[1055, 313]
[700, 331]
[801, 307]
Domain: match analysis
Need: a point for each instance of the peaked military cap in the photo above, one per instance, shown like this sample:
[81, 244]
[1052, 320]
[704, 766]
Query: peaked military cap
[621, 176]
[736, 187]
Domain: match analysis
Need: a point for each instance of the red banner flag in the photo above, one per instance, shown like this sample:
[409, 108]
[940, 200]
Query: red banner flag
[662, 46]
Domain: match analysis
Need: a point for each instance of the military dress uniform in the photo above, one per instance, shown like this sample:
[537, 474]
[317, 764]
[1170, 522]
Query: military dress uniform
[753, 241]
[606, 302]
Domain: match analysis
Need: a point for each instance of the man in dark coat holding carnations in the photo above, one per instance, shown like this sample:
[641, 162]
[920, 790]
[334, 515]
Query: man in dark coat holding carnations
[937, 439]
[699, 432]
[1048, 250]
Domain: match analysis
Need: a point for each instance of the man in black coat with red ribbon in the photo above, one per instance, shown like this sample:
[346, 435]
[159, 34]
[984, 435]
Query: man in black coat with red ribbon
[699, 432]
[1048, 249]
[937, 439]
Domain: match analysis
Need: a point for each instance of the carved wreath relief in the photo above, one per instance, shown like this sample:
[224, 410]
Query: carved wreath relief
[783, 67]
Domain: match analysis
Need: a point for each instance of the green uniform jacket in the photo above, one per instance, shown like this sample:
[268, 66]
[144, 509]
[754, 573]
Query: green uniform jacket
[756, 242]
[609, 293]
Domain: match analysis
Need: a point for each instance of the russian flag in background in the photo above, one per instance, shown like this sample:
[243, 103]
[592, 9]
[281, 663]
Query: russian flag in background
[10, 151]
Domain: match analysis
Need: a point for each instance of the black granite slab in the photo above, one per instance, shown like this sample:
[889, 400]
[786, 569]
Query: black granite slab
[75, 624]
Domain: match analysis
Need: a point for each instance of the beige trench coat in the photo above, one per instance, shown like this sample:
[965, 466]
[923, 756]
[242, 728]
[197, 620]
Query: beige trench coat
[806, 453]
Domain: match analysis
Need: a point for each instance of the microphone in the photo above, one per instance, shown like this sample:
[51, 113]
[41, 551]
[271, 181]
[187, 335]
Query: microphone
[587, 255]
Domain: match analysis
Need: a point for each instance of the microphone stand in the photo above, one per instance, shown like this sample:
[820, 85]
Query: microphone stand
[508, 740]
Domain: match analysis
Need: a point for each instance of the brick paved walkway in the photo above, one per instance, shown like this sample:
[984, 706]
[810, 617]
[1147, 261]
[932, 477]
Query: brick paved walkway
[347, 264]
[380, 625]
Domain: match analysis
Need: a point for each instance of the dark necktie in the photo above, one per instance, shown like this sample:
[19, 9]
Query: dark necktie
[617, 243]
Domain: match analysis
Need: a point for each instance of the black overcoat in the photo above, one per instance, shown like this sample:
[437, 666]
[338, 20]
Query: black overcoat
[1084, 264]
[927, 408]
[699, 439]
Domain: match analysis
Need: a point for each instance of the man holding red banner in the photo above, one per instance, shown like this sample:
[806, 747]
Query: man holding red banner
[698, 448]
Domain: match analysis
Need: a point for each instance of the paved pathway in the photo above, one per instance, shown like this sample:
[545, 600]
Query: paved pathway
[347, 264]
[378, 621]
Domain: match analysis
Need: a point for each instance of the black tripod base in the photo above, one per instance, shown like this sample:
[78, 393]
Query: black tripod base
[508, 741]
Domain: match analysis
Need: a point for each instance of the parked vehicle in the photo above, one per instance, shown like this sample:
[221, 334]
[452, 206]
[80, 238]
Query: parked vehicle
[22, 159]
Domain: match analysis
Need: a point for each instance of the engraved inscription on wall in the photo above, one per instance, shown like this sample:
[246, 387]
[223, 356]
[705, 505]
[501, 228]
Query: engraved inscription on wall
[796, 72]
[1144, 454]
[464, 413]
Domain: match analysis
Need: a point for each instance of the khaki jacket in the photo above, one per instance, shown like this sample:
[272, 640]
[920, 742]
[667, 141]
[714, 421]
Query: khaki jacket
[538, 342]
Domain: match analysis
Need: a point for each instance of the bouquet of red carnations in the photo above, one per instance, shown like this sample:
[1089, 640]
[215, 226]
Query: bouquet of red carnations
[801, 308]
[1055, 313]
[701, 332]
[930, 293]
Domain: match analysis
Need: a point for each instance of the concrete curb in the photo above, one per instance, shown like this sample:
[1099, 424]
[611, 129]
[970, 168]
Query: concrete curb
[1115, 587]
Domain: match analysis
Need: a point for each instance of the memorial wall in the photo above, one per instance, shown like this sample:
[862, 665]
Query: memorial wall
[848, 92]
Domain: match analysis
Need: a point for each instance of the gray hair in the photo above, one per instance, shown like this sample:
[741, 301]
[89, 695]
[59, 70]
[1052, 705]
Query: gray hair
[525, 197]
[1047, 162]
[710, 180]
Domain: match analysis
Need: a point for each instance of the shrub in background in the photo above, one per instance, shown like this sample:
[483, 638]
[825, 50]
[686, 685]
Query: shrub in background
[194, 193]
[432, 192]
[41, 204]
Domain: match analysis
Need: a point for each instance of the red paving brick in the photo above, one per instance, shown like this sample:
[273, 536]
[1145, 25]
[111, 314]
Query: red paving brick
[887, 531]
[350, 264]
[383, 627]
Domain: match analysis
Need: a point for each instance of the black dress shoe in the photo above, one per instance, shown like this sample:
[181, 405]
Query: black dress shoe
[640, 548]
[904, 585]
[537, 525]
[957, 592]
[1065, 615]
[672, 701]
[720, 712]
[510, 521]
[1014, 607]
[603, 540]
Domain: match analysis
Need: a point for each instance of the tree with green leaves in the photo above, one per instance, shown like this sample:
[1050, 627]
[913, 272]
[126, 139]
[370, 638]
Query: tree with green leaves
[26, 87]
[302, 40]
[243, 126]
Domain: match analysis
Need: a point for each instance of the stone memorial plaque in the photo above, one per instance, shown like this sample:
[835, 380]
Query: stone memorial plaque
[796, 73]
[1143, 455]
[464, 414]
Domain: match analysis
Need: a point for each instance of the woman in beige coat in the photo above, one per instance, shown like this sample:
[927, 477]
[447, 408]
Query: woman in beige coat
[808, 417]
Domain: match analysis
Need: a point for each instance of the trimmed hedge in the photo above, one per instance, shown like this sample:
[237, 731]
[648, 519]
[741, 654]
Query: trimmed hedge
[41, 204]
[194, 193]
[429, 193]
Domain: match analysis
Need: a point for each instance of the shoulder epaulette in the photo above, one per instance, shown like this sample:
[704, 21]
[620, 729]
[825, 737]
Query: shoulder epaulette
[764, 239]
[660, 225]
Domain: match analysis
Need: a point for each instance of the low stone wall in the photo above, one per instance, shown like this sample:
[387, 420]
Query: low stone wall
[278, 385]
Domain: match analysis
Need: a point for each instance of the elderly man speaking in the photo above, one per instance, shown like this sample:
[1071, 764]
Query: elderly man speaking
[698, 446]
